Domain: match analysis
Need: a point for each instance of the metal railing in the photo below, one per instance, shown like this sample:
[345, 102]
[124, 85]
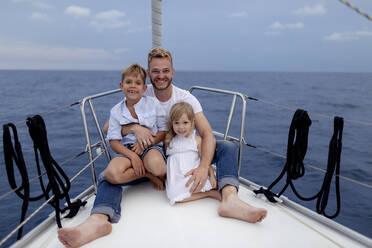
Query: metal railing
[83, 102]
[225, 135]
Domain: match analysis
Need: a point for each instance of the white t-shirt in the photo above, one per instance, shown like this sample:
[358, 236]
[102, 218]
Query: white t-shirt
[149, 112]
[178, 95]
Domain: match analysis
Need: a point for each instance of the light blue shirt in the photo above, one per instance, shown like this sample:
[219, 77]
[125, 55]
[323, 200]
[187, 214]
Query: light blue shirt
[149, 112]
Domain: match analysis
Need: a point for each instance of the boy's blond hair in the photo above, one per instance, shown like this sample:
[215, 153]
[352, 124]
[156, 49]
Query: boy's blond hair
[159, 52]
[135, 69]
[175, 114]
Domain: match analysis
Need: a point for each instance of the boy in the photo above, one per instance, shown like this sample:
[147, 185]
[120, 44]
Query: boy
[132, 162]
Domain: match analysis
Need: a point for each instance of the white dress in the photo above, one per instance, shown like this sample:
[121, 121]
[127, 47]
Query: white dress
[182, 157]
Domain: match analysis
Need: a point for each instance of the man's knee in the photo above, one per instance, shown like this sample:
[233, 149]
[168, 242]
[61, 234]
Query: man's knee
[227, 147]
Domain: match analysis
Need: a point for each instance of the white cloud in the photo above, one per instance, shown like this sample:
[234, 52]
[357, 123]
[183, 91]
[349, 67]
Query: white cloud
[348, 36]
[29, 51]
[317, 9]
[240, 14]
[77, 11]
[278, 25]
[110, 19]
[37, 4]
[39, 16]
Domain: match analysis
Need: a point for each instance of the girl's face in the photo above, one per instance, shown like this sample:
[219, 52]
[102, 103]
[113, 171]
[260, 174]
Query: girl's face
[183, 126]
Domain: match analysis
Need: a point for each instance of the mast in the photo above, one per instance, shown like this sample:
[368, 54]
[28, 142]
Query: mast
[156, 23]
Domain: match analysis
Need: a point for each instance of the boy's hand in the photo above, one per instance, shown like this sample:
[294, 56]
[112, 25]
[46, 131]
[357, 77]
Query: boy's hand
[136, 147]
[137, 164]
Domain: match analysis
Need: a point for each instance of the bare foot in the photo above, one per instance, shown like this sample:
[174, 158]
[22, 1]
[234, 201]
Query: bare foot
[233, 207]
[158, 183]
[94, 227]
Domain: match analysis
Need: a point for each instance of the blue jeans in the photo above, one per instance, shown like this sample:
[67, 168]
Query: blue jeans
[109, 195]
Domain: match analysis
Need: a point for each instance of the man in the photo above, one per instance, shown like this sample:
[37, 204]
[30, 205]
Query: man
[224, 153]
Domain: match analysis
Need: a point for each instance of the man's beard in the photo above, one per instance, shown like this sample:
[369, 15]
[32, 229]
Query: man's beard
[167, 86]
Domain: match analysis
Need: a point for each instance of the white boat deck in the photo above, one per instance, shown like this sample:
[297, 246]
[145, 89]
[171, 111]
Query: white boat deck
[148, 220]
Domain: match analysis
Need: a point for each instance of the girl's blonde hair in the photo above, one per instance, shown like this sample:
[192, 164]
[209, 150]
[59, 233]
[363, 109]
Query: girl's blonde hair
[175, 114]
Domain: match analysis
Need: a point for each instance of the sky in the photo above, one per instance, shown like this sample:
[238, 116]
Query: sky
[202, 35]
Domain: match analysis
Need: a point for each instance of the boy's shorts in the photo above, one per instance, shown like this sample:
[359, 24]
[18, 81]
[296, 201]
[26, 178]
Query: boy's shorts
[157, 147]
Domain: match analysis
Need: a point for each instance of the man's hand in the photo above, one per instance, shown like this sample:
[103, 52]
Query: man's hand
[139, 169]
[145, 136]
[136, 147]
[198, 178]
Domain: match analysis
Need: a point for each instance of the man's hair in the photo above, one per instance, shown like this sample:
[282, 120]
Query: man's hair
[159, 52]
[135, 69]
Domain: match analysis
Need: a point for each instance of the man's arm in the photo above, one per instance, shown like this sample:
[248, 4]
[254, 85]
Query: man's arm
[208, 147]
[145, 136]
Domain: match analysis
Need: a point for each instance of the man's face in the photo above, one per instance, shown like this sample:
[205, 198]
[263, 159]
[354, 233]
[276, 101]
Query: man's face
[161, 73]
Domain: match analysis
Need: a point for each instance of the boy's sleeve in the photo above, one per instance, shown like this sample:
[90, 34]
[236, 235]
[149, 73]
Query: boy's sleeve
[161, 118]
[114, 130]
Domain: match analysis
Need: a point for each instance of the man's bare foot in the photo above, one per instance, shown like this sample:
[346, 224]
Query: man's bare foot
[233, 207]
[94, 227]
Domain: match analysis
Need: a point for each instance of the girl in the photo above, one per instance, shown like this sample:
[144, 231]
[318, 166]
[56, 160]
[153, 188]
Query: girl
[183, 150]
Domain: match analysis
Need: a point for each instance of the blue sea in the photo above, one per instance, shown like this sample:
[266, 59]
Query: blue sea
[348, 95]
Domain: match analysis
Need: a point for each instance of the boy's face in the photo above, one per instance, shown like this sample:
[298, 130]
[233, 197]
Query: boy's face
[161, 73]
[133, 87]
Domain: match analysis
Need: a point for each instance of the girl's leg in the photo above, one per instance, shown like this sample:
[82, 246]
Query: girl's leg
[196, 196]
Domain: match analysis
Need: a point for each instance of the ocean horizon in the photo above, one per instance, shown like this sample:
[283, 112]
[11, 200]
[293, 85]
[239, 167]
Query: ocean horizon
[323, 94]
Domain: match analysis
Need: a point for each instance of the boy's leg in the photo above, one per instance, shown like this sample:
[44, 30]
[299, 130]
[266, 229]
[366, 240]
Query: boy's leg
[226, 159]
[154, 161]
[120, 170]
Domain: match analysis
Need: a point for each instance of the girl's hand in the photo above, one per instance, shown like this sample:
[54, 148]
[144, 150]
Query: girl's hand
[212, 178]
[137, 148]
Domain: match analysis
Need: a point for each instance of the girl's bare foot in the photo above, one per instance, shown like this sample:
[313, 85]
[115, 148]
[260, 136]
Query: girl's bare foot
[94, 227]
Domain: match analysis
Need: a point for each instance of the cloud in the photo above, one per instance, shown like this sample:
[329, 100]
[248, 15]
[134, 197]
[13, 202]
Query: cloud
[77, 11]
[37, 4]
[278, 25]
[27, 51]
[39, 16]
[317, 9]
[110, 19]
[240, 14]
[348, 36]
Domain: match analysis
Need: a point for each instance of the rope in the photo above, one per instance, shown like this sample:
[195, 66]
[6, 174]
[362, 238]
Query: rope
[44, 173]
[12, 152]
[55, 173]
[311, 113]
[294, 167]
[361, 12]
[311, 166]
